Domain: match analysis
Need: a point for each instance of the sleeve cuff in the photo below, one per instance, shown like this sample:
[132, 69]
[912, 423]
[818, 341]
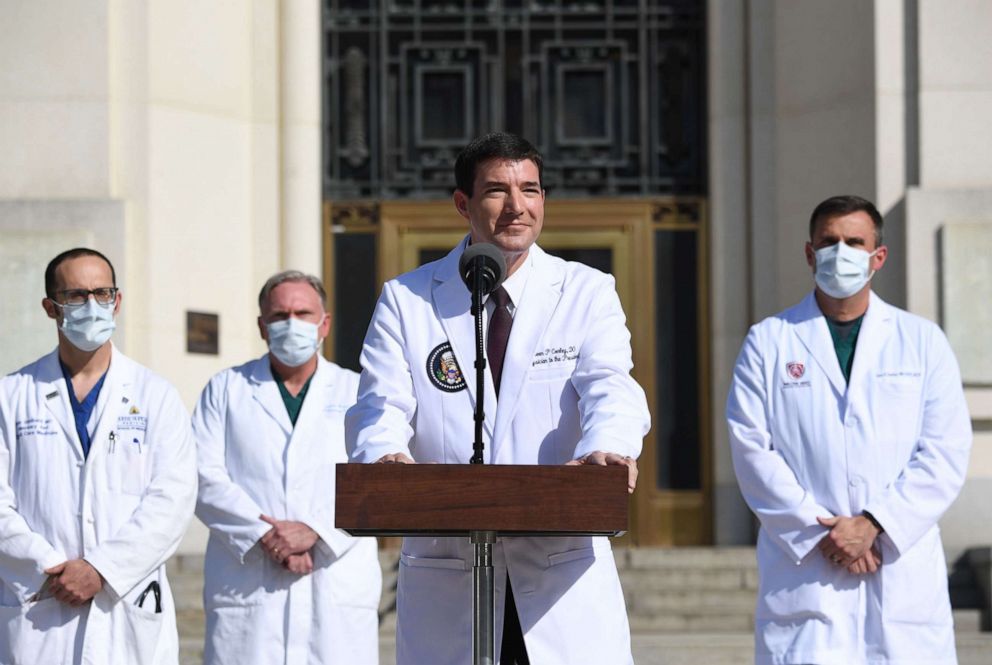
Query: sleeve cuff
[606, 445]
[103, 566]
[244, 545]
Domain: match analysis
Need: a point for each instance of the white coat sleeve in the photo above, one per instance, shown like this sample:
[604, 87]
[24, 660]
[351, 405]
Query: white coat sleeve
[153, 532]
[935, 473]
[24, 554]
[320, 518]
[612, 406]
[222, 505]
[319, 515]
[379, 423]
[787, 512]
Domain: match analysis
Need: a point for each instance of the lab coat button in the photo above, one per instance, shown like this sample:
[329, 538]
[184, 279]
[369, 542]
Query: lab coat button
[852, 421]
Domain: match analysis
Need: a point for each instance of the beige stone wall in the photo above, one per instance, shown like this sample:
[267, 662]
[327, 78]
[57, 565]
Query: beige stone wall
[176, 113]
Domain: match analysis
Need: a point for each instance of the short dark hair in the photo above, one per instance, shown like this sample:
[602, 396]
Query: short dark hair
[497, 145]
[845, 205]
[74, 253]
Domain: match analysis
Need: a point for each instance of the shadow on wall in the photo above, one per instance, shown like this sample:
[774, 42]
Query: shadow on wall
[890, 282]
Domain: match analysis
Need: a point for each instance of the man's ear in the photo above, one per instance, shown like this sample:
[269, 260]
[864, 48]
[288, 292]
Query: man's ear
[878, 260]
[461, 202]
[810, 256]
[49, 308]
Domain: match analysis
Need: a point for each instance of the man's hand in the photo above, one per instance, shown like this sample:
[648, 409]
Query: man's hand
[286, 538]
[869, 563]
[599, 458]
[850, 538]
[394, 458]
[74, 582]
[301, 564]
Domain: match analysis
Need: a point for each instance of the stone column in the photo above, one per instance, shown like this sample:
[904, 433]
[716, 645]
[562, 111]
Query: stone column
[299, 105]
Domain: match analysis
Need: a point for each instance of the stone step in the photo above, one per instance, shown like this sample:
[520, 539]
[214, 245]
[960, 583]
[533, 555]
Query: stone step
[692, 620]
[640, 601]
[685, 558]
[666, 579]
[968, 620]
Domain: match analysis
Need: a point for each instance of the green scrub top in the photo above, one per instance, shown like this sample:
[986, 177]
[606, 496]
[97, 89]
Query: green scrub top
[293, 404]
[845, 337]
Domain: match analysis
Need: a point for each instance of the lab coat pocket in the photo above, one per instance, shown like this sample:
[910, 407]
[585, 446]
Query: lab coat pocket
[557, 373]
[902, 398]
[141, 629]
[431, 562]
[591, 552]
[33, 633]
[914, 584]
[129, 463]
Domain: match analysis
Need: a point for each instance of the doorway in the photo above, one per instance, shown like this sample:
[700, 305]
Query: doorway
[656, 251]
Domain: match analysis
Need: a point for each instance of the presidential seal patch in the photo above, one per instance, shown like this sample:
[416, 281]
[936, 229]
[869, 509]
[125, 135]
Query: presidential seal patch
[443, 369]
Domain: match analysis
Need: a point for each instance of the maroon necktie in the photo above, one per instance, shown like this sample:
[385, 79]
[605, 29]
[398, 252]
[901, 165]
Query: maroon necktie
[499, 333]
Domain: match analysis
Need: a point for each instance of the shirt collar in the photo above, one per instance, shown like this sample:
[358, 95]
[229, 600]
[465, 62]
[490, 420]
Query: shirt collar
[515, 283]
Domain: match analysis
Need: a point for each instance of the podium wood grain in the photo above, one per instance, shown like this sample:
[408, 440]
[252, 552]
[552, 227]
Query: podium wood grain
[454, 499]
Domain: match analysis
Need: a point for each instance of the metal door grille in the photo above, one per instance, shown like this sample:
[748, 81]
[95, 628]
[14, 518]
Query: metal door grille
[610, 91]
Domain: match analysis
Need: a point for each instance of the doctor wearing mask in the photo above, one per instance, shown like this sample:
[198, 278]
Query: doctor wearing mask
[97, 484]
[850, 438]
[281, 584]
[558, 391]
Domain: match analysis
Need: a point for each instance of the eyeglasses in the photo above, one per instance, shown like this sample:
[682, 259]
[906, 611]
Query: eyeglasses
[75, 297]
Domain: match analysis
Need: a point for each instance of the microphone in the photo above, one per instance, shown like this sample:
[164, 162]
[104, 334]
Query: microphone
[488, 261]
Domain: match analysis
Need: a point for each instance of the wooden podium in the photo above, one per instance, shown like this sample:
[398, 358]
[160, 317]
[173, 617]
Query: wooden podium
[482, 502]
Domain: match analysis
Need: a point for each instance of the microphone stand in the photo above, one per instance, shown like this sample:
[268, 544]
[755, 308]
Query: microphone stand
[483, 579]
[480, 361]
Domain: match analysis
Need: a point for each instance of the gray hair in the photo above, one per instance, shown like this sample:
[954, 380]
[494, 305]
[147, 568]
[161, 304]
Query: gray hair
[290, 276]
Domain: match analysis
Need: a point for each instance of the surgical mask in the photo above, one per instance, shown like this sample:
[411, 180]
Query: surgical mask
[293, 341]
[842, 270]
[88, 326]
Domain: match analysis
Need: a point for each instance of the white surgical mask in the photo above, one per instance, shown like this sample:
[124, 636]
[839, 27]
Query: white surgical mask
[88, 326]
[842, 270]
[293, 341]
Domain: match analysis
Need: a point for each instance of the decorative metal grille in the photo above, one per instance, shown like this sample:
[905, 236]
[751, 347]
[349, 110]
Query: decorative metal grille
[610, 91]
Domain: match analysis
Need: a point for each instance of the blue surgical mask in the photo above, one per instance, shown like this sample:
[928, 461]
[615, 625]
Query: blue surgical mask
[88, 326]
[842, 270]
[293, 341]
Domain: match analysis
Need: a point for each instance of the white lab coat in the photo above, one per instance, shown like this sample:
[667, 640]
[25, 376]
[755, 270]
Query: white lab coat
[893, 441]
[566, 391]
[124, 508]
[253, 461]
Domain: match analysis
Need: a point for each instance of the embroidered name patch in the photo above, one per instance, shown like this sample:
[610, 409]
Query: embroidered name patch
[129, 422]
[443, 369]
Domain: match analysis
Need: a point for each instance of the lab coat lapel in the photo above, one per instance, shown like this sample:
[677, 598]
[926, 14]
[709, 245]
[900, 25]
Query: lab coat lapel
[116, 398]
[530, 319]
[453, 304]
[811, 327]
[310, 412]
[52, 393]
[265, 391]
[875, 330]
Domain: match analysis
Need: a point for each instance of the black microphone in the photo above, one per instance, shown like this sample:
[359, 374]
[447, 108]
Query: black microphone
[486, 258]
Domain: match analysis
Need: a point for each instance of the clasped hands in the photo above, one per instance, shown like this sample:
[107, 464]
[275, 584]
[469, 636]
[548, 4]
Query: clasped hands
[288, 543]
[72, 582]
[597, 458]
[851, 543]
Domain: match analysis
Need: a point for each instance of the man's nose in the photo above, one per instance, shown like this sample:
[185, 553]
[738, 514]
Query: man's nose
[514, 203]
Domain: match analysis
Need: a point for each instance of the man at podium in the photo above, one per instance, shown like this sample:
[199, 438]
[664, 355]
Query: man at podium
[558, 391]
